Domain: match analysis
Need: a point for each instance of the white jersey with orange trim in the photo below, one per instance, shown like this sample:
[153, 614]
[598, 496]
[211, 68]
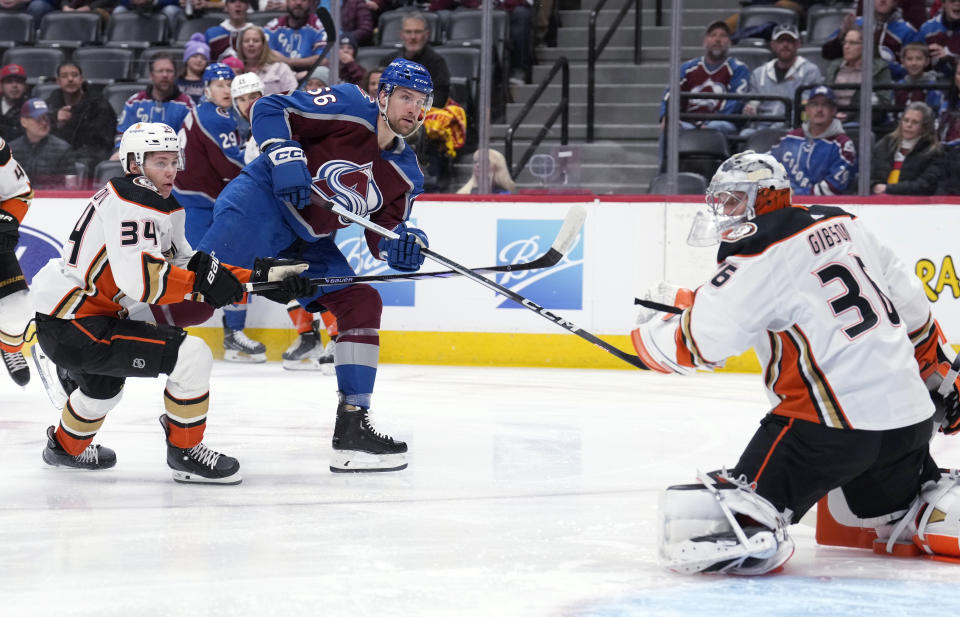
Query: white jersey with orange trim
[15, 190]
[127, 246]
[818, 298]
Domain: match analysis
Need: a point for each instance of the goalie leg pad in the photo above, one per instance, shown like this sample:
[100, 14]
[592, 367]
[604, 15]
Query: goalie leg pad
[938, 526]
[725, 528]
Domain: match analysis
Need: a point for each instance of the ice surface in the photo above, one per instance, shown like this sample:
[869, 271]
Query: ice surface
[530, 492]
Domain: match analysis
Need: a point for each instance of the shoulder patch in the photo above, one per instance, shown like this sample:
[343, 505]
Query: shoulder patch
[739, 232]
[139, 190]
[4, 152]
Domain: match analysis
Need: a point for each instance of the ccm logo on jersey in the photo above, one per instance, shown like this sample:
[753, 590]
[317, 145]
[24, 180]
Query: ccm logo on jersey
[739, 232]
[286, 155]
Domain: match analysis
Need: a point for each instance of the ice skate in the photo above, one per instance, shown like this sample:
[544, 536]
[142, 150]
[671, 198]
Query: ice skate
[94, 456]
[238, 347]
[17, 367]
[359, 447]
[200, 464]
[307, 353]
[56, 381]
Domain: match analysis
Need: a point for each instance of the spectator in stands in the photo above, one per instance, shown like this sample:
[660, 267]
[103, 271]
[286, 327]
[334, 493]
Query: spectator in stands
[81, 117]
[298, 37]
[319, 78]
[357, 19]
[415, 32]
[849, 70]
[351, 71]
[915, 59]
[224, 38]
[103, 8]
[909, 161]
[819, 157]
[196, 57]
[44, 157]
[168, 8]
[36, 8]
[195, 8]
[269, 65]
[713, 72]
[371, 83]
[781, 77]
[942, 34]
[13, 83]
[162, 101]
[949, 120]
[891, 33]
[500, 180]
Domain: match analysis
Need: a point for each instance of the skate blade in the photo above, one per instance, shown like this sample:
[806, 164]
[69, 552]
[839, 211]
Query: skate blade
[310, 364]
[353, 461]
[51, 385]
[184, 477]
[232, 355]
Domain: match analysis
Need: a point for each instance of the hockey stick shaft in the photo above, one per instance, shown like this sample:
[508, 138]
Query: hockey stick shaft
[326, 20]
[500, 289]
[565, 239]
[657, 306]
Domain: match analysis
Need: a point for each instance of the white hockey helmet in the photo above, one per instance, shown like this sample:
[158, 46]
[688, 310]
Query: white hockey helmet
[245, 83]
[745, 186]
[145, 137]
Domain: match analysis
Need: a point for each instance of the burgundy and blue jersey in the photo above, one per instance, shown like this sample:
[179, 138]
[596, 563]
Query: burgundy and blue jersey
[730, 76]
[141, 107]
[302, 42]
[211, 152]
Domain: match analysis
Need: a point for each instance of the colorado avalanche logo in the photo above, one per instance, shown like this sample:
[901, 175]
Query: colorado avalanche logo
[706, 105]
[349, 185]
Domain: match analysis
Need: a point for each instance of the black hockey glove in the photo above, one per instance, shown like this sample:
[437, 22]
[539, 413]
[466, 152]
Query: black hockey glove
[216, 285]
[286, 272]
[9, 231]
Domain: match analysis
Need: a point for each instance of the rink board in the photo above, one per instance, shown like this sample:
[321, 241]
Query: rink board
[627, 245]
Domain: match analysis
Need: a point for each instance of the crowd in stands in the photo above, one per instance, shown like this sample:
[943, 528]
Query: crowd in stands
[72, 130]
[915, 97]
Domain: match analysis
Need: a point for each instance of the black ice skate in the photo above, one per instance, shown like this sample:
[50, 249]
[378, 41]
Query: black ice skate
[358, 447]
[307, 353]
[200, 464]
[94, 456]
[17, 367]
[238, 347]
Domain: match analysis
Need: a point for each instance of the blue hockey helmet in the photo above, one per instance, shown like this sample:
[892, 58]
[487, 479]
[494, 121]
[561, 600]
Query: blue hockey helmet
[215, 71]
[405, 73]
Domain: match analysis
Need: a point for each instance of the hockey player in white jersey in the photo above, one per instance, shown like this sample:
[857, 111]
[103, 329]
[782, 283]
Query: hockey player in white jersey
[840, 326]
[15, 197]
[129, 246]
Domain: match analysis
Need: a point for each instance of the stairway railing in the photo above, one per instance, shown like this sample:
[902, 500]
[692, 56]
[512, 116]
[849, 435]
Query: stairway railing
[561, 109]
[594, 50]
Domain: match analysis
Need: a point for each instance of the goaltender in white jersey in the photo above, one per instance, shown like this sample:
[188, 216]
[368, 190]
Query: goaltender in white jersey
[840, 326]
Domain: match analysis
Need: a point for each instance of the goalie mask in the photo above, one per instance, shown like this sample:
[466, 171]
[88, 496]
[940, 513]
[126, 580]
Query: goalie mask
[745, 186]
[145, 137]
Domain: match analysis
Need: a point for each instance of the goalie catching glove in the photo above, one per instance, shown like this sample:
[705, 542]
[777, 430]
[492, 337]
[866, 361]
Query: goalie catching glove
[291, 178]
[9, 231]
[664, 293]
[403, 253]
[286, 271]
[214, 284]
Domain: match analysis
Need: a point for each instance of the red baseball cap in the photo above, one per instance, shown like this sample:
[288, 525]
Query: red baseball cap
[13, 70]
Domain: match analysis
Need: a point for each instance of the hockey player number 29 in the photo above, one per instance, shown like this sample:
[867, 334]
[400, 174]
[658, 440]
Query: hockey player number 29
[854, 299]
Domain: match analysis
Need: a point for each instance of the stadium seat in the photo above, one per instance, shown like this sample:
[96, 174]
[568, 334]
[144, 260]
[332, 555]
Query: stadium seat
[70, 30]
[117, 94]
[104, 65]
[764, 139]
[132, 30]
[464, 66]
[702, 150]
[757, 15]
[369, 57]
[16, 29]
[687, 184]
[390, 23]
[197, 24]
[44, 90]
[813, 55]
[40, 63]
[104, 171]
[464, 27]
[752, 56]
[823, 21]
[262, 18]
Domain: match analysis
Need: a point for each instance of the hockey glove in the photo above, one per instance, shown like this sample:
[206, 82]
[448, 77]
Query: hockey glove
[945, 397]
[291, 178]
[215, 285]
[404, 253]
[286, 271]
[664, 293]
[9, 231]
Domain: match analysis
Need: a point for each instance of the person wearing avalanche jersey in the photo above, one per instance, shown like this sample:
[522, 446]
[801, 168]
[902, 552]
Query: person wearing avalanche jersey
[212, 157]
[851, 359]
[298, 36]
[223, 38]
[354, 153]
[129, 247]
[15, 197]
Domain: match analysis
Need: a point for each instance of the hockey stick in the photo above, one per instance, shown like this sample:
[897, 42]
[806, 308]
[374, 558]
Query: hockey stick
[500, 289]
[561, 244]
[326, 20]
[657, 306]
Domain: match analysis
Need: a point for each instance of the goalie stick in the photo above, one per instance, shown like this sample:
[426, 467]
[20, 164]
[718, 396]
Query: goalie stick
[500, 289]
[326, 20]
[561, 245]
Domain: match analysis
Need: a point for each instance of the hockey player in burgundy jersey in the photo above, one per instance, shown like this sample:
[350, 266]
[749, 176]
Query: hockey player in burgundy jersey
[334, 145]
[840, 326]
[213, 156]
[128, 246]
[15, 197]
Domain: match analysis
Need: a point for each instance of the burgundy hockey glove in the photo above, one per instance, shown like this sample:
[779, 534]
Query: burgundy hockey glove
[216, 285]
